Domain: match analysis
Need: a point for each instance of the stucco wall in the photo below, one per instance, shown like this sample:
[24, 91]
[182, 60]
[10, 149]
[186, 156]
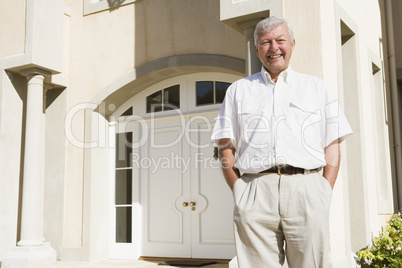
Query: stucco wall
[12, 96]
[107, 45]
[366, 23]
[176, 27]
[12, 30]
[304, 17]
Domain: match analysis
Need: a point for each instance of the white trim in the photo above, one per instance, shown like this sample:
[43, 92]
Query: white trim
[187, 94]
[385, 204]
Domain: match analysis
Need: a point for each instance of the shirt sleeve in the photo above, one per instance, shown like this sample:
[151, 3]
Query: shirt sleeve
[336, 124]
[226, 125]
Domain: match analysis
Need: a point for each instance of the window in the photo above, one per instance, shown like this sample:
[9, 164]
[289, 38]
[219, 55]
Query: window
[210, 92]
[123, 187]
[164, 100]
[220, 91]
[128, 112]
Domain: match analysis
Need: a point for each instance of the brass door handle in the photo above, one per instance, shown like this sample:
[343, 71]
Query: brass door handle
[192, 204]
[185, 204]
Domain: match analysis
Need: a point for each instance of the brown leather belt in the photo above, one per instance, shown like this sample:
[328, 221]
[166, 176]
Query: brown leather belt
[289, 170]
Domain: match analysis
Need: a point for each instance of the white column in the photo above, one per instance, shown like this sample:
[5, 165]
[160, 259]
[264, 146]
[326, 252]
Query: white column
[31, 251]
[253, 64]
[31, 217]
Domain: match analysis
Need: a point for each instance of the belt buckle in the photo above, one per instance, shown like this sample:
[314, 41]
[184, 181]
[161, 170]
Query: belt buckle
[279, 169]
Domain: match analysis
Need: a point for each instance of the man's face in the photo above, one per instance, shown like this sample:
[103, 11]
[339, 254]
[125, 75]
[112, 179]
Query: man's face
[274, 50]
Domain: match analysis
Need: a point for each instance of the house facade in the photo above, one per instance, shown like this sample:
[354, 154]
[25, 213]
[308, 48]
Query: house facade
[107, 107]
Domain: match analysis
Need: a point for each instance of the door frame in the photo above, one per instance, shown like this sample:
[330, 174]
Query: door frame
[131, 123]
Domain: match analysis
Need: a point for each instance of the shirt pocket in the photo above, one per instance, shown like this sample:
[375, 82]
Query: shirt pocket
[304, 113]
[254, 124]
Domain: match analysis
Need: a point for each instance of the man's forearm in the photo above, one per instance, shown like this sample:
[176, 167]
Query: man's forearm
[227, 160]
[333, 158]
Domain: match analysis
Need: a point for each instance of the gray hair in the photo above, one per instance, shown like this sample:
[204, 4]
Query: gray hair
[266, 25]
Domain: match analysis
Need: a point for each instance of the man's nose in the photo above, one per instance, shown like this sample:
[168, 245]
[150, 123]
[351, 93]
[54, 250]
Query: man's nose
[274, 46]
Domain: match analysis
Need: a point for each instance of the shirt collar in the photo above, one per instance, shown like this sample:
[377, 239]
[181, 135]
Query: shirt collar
[285, 75]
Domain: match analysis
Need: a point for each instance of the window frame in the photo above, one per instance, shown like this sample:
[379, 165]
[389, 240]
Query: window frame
[187, 96]
[214, 92]
[163, 104]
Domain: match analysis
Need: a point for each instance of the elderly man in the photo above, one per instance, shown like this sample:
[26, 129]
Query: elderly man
[276, 130]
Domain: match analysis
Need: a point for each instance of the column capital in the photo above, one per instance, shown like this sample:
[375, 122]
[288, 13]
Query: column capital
[31, 71]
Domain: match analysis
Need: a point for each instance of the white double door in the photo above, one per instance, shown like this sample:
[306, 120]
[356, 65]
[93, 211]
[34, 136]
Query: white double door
[187, 208]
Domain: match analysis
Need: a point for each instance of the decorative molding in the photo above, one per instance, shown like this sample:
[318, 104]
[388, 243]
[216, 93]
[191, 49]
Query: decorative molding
[161, 69]
[35, 71]
[209, 60]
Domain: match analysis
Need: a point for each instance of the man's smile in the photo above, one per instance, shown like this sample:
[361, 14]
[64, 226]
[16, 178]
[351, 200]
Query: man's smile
[274, 56]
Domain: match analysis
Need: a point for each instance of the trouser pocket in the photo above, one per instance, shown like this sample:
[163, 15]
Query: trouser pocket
[238, 189]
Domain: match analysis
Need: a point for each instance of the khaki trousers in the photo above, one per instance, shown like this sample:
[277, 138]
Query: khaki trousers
[282, 215]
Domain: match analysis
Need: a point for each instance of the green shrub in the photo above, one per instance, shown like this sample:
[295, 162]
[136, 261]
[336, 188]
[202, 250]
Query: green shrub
[386, 249]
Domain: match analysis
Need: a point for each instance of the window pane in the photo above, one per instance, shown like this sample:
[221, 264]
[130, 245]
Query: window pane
[220, 91]
[204, 90]
[123, 191]
[128, 112]
[123, 224]
[171, 98]
[154, 102]
[123, 149]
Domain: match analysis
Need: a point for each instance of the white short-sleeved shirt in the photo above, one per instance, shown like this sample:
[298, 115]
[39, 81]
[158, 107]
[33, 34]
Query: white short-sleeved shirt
[287, 122]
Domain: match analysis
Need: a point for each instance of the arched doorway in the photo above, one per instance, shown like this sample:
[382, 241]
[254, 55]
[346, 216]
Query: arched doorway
[170, 198]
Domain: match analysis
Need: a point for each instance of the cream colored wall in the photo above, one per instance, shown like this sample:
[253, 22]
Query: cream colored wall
[12, 30]
[12, 95]
[127, 37]
[369, 42]
[176, 27]
[47, 34]
[55, 168]
[304, 17]
[366, 44]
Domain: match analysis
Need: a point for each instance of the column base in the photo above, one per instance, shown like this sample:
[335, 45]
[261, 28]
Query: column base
[30, 257]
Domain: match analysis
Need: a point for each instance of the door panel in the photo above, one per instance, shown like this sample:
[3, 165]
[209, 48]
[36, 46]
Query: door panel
[212, 226]
[181, 169]
[164, 189]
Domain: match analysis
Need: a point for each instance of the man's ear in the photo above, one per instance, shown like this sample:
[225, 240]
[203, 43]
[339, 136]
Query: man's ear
[256, 49]
[293, 44]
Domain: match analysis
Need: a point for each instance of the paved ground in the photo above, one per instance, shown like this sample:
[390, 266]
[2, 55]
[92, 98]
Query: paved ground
[122, 264]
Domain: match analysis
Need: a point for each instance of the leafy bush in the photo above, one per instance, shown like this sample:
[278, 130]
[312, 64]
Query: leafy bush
[386, 249]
